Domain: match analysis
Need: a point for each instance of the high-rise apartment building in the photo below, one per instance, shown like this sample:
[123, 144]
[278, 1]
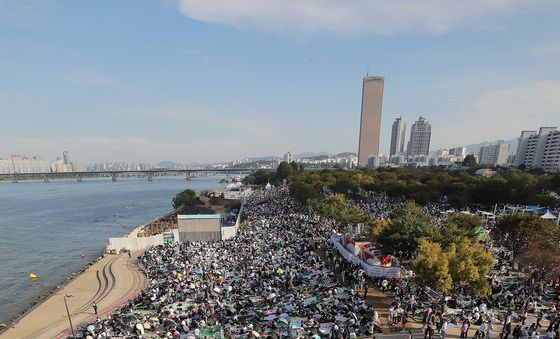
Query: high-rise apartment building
[494, 154]
[532, 147]
[420, 135]
[397, 137]
[288, 157]
[551, 156]
[370, 120]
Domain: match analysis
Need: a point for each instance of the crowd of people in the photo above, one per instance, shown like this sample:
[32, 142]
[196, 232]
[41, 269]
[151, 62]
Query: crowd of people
[269, 281]
[280, 277]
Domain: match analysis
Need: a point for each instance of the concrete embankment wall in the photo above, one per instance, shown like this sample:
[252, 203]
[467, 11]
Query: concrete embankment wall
[138, 243]
[134, 243]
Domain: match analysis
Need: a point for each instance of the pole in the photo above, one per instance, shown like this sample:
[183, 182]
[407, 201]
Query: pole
[69, 319]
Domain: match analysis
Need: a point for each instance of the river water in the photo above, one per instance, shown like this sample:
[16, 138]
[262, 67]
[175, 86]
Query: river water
[46, 227]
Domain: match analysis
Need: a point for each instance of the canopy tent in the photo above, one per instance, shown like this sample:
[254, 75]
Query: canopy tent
[548, 215]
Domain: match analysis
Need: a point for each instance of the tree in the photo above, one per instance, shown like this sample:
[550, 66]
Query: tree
[517, 232]
[456, 228]
[408, 224]
[377, 227]
[469, 161]
[431, 266]
[284, 170]
[185, 198]
[469, 264]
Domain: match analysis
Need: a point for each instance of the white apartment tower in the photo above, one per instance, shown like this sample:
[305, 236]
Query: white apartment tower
[288, 157]
[397, 137]
[420, 135]
[533, 146]
[494, 154]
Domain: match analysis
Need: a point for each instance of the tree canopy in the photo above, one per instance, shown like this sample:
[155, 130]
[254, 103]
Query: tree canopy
[186, 198]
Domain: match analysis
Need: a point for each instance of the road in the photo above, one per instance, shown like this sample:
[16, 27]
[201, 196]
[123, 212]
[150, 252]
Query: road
[110, 282]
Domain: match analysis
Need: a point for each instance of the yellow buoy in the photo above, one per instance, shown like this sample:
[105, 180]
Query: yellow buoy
[32, 276]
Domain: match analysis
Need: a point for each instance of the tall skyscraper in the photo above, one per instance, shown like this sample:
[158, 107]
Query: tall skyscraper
[370, 121]
[420, 135]
[66, 157]
[397, 137]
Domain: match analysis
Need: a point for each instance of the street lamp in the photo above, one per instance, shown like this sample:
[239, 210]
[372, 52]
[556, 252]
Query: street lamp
[68, 313]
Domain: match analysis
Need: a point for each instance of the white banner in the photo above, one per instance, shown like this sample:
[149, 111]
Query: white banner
[371, 271]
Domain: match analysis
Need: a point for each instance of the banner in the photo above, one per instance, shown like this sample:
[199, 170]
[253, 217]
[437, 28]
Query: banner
[371, 271]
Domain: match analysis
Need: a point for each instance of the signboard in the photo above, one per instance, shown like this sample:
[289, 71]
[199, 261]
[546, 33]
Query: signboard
[168, 238]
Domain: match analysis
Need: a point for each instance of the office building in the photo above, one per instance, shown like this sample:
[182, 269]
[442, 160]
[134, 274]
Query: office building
[370, 120]
[397, 137]
[420, 135]
[532, 147]
[66, 158]
[495, 154]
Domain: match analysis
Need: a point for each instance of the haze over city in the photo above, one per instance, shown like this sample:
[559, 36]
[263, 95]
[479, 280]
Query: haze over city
[217, 80]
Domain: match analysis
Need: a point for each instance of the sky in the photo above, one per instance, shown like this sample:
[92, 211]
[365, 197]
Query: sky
[217, 80]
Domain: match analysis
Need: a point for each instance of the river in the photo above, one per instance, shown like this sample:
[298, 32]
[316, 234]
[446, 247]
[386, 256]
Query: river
[46, 227]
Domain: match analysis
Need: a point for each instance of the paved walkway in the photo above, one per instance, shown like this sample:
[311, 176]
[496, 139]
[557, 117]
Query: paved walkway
[110, 282]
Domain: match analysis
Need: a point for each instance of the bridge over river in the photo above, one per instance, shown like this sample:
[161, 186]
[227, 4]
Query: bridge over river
[149, 174]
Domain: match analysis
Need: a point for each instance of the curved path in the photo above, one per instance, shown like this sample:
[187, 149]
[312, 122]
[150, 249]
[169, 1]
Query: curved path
[110, 283]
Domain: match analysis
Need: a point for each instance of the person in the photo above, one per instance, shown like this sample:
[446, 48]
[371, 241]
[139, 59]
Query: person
[465, 328]
[443, 328]
[129, 254]
[506, 331]
[94, 305]
[489, 328]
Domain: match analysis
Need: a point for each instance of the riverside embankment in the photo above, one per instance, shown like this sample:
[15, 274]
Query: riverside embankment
[55, 229]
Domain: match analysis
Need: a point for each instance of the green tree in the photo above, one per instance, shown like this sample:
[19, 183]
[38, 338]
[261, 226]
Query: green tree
[456, 228]
[185, 198]
[431, 266]
[408, 224]
[469, 161]
[284, 171]
[517, 232]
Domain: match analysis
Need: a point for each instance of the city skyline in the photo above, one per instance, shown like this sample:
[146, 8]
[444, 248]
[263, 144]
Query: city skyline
[143, 86]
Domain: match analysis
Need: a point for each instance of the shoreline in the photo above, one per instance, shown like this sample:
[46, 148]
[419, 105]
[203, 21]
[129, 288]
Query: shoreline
[43, 297]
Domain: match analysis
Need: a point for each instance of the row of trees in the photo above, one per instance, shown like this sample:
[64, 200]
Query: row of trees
[285, 170]
[429, 185]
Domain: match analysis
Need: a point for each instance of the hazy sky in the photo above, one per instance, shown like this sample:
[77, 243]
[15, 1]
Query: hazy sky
[210, 80]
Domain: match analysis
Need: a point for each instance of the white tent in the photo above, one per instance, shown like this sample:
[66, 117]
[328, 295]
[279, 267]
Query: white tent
[548, 215]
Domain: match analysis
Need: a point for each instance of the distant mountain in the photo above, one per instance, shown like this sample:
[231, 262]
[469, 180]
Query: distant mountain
[311, 154]
[475, 148]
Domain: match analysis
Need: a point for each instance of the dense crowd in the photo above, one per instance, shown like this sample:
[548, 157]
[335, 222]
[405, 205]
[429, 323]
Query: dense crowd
[269, 281]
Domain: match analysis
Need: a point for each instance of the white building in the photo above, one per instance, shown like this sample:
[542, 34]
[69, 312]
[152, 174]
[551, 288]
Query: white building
[420, 135]
[288, 157]
[551, 156]
[533, 146]
[397, 137]
[459, 152]
[494, 154]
